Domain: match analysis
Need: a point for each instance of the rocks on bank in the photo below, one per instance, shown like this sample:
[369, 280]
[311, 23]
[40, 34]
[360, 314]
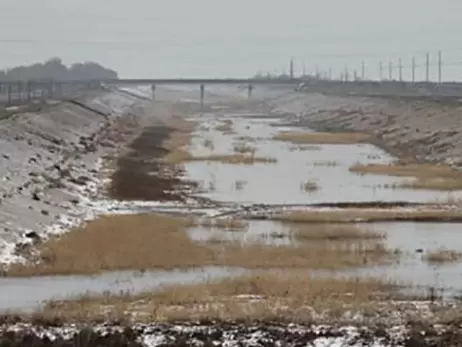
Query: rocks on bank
[51, 165]
[421, 128]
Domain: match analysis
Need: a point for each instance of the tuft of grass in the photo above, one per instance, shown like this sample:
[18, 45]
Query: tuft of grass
[405, 170]
[243, 159]
[208, 143]
[304, 148]
[327, 163]
[443, 184]
[224, 223]
[333, 232]
[301, 138]
[309, 186]
[427, 176]
[179, 140]
[244, 148]
[179, 156]
[239, 184]
[349, 215]
[226, 127]
[293, 297]
[442, 256]
[246, 139]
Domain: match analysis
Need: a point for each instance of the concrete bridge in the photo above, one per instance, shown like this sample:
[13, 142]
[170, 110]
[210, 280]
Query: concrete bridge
[203, 82]
[13, 92]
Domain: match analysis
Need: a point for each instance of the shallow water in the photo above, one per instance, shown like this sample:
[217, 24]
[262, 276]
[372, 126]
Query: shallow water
[261, 232]
[276, 184]
[280, 183]
[424, 237]
[26, 294]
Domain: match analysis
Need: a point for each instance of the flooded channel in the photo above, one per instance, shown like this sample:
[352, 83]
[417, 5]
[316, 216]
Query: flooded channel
[273, 183]
[279, 183]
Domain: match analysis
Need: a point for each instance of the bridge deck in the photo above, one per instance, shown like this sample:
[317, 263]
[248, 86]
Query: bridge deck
[206, 81]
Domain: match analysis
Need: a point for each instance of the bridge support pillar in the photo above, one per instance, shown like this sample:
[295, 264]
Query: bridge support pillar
[153, 91]
[202, 96]
[250, 90]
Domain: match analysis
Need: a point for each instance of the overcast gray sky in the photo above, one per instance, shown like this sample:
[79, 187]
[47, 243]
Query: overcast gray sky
[171, 38]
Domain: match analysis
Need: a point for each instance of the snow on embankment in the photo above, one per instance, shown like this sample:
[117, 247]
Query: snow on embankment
[50, 165]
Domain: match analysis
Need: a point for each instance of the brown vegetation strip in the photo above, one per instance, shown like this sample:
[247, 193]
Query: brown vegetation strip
[313, 138]
[349, 215]
[442, 256]
[332, 232]
[427, 176]
[140, 176]
[146, 241]
[256, 297]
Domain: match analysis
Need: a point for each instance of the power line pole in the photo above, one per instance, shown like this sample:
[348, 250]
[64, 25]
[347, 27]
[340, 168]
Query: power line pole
[291, 68]
[363, 70]
[390, 70]
[427, 71]
[413, 69]
[400, 70]
[381, 71]
[439, 67]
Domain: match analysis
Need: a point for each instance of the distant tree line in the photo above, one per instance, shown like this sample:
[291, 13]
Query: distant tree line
[54, 69]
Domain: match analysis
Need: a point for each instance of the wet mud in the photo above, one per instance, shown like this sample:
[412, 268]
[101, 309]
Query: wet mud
[141, 176]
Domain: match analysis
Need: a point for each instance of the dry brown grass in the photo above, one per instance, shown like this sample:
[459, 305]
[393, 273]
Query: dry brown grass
[295, 297]
[182, 156]
[178, 141]
[224, 223]
[305, 148]
[208, 143]
[349, 215]
[240, 184]
[247, 139]
[244, 148]
[442, 256]
[122, 242]
[243, 159]
[327, 163]
[226, 127]
[427, 176]
[443, 184]
[309, 186]
[333, 232]
[314, 138]
[119, 242]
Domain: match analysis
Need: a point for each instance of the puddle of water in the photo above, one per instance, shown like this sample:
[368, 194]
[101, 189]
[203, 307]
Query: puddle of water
[27, 294]
[279, 183]
[261, 232]
[412, 270]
